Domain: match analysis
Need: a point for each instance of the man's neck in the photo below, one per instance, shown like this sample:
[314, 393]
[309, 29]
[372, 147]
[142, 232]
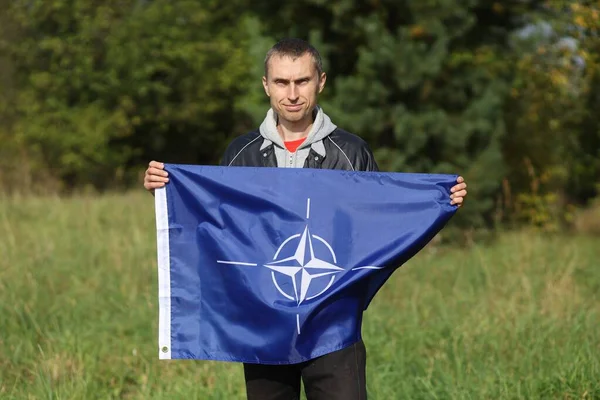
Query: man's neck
[290, 131]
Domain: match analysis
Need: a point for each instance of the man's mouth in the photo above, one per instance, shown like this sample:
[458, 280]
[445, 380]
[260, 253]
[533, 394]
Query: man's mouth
[293, 107]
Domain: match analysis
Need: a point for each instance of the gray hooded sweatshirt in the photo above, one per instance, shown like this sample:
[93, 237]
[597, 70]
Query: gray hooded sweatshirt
[322, 127]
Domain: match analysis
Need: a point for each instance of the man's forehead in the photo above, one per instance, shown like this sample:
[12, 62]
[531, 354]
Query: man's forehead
[285, 66]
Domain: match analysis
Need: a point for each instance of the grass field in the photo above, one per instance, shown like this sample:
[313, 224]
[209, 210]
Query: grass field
[78, 314]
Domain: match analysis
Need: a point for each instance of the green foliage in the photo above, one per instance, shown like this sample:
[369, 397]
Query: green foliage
[106, 85]
[253, 104]
[584, 159]
[552, 144]
[91, 91]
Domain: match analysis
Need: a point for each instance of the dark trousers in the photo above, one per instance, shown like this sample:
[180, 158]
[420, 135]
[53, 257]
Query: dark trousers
[335, 376]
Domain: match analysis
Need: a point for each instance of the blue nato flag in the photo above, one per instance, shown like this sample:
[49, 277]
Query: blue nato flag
[276, 265]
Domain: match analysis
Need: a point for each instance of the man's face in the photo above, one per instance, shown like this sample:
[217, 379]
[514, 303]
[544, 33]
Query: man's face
[293, 86]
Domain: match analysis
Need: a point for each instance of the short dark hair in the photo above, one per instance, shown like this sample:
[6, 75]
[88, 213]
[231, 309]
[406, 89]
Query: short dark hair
[294, 48]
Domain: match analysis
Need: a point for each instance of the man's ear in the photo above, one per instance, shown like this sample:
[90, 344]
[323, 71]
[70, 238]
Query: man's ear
[322, 80]
[265, 86]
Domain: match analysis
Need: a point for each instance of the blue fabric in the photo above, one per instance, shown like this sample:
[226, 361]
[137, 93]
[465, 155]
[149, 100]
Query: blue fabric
[276, 266]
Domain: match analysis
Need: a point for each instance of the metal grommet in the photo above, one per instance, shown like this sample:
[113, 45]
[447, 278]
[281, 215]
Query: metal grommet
[264, 154]
[165, 349]
[317, 158]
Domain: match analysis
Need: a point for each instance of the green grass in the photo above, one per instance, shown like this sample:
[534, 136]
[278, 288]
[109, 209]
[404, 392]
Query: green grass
[78, 314]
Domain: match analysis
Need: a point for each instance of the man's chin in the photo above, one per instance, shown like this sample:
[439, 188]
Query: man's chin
[293, 116]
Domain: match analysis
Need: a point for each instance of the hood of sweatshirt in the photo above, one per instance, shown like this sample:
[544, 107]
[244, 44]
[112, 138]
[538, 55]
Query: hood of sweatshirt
[322, 127]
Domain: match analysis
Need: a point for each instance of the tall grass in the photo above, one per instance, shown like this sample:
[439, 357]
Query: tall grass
[78, 314]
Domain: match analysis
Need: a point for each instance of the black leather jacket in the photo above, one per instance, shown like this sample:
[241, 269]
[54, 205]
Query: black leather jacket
[343, 150]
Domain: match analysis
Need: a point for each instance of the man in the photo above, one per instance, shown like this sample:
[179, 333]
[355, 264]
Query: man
[297, 133]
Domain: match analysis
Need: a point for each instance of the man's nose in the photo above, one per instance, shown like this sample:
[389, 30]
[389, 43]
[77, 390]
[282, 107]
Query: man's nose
[293, 92]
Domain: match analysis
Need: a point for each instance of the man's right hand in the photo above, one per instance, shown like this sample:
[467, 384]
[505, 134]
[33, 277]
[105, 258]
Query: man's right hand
[156, 176]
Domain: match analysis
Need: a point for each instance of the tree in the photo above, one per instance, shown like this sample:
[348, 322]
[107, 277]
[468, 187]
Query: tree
[552, 146]
[105, 85]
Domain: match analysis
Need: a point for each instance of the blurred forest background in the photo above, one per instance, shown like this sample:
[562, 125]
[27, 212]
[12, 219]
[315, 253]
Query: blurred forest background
[505, 93]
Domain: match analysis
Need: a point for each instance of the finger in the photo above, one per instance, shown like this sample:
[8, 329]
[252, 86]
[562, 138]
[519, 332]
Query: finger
[156, 164]
[461, 193]
[156, 178]
[156, 171]
[458, 187]
[154, 185]
[460, 179]
[457, 200]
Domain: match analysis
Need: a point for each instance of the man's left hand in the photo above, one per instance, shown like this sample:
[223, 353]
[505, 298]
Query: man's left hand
[459, 192]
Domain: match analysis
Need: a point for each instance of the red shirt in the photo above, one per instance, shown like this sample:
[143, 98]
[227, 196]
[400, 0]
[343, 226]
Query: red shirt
[293, 145]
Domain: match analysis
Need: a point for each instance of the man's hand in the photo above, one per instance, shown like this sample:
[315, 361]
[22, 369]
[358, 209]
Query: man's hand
[156, 176]
[459, 192]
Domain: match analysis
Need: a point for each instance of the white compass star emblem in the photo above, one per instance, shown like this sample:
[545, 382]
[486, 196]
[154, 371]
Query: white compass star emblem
[306, 265]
